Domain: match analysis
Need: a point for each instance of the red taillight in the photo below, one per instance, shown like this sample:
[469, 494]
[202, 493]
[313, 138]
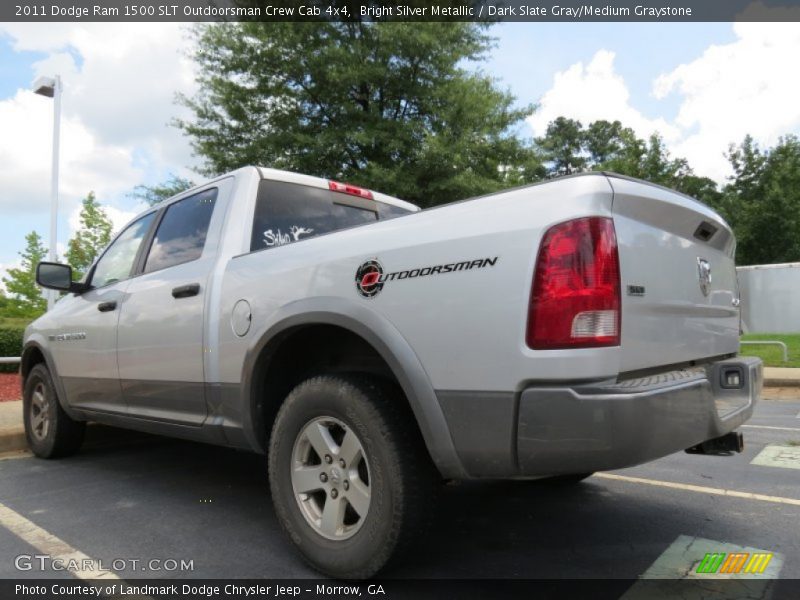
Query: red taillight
[575, 301]
[346, 188]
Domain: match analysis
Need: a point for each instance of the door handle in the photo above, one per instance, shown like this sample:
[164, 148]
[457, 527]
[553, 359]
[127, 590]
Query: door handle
[107, 306]
[186, 291]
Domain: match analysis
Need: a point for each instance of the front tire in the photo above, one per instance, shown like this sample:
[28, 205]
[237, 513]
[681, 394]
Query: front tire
[350, 477]
[50, 432]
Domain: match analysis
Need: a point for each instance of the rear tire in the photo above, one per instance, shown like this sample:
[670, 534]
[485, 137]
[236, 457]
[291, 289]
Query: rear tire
[50, 432]
[350, 477]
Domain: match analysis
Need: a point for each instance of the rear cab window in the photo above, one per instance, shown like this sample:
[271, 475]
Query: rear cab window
[288, 212]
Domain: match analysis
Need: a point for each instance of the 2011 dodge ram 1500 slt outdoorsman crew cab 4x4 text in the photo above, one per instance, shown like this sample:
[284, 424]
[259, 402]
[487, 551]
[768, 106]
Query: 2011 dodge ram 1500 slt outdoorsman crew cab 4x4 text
[371, 349]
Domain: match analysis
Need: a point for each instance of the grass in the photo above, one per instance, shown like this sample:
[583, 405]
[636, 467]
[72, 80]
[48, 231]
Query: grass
[773, 355]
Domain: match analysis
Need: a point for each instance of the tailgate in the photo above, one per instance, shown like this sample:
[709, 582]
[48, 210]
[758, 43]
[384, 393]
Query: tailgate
[679, 292]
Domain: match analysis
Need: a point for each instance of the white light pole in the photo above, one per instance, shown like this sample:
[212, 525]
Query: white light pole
[50, 87]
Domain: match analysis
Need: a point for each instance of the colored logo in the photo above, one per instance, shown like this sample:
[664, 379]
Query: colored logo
[734, 562]
[368, 279]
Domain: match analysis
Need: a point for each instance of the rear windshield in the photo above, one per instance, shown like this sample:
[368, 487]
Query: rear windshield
[289, 212]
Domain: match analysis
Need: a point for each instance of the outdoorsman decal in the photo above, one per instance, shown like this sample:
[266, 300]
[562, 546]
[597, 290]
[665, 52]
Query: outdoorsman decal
[370, 277]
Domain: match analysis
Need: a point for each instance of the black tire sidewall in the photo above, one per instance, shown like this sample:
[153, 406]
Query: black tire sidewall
[370, 547]
[44, 447]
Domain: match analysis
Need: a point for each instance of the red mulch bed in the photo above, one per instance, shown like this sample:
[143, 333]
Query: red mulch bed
[9, 387]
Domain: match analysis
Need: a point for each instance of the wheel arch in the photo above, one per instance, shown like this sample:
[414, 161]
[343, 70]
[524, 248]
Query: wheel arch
[32, 355]
[34, 352]
[367, 331]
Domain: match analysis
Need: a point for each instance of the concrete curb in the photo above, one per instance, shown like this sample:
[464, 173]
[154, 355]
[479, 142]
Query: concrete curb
[12, 439]
[12, 432]
[781, 377]
[777, 382]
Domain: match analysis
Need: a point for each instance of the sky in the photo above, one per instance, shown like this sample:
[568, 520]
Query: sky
[702, 86]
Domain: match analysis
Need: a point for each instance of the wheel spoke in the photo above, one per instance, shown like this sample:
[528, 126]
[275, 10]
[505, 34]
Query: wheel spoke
[332, 516]
[350, 450]
[320, 439]
[327, 483]
[38, 420]
[358, 497]
[306, 479]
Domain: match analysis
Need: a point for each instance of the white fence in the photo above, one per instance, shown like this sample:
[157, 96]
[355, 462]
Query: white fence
[770, 298]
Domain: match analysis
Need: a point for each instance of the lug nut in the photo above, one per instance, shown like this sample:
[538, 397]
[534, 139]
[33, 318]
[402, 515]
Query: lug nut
[328, 459]
[334, 493]
[323, 477]
[346, 485]
[342, 463]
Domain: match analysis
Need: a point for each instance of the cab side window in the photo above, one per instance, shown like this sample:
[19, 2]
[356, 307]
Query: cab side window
[116, 264]
[181, 234]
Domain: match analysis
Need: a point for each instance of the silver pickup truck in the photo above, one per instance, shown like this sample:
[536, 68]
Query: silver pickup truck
[371, 349]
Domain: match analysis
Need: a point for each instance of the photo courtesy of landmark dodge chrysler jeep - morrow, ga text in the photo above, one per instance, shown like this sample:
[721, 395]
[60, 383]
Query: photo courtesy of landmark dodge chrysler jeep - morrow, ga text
[371, 349]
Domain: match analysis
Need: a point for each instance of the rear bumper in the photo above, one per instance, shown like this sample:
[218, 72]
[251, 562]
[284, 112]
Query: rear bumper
[582, 429]
[551, 430]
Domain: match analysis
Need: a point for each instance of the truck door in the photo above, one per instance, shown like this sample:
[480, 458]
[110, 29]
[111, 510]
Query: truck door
[161, 331]
[85, 354]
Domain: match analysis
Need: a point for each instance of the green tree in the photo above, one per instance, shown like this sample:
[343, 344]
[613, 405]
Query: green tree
[762, 201]
[390, 106]
[93, 236]
[568, 147]
[153, 194]
[606, 141]
[652, 162]
[748, 163]
[563, 147]
[613, 147]
[25, 297]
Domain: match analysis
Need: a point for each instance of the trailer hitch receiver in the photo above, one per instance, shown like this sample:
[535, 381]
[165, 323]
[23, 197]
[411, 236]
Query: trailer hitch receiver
[721, 446]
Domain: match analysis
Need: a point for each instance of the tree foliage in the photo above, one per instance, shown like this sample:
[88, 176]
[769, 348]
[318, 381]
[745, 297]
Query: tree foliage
[762, 201]
[393, 107]
[25, 297]
[92, 237]
[153, 194]
[389, 106]
[563, 147]
[569, 147]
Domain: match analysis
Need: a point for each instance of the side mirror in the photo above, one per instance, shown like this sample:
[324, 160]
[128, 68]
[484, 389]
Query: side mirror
[56, 276]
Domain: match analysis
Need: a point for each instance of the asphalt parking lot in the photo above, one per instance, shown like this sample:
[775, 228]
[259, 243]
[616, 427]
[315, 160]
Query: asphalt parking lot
[132, 496]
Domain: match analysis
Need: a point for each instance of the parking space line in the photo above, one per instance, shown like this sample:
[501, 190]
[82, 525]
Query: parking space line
[778, 455]
[772, 427]
[701, 489]
[46, 543]
[676, 573]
